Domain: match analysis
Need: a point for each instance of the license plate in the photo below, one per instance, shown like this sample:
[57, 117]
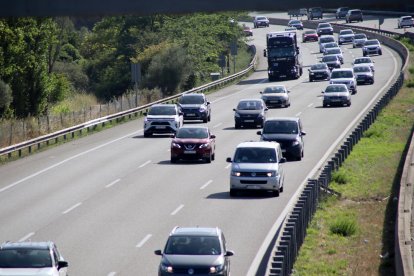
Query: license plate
[190, 114]
[283, 76]
[248, 121]
[335, 100]
[189, 151]
[318, 75]
[160, 127]
[274, 101]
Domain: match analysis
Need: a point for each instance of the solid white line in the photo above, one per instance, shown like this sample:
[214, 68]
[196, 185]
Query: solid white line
[205, 185]
[228, 166]
[72, 208]
[26, 237]
[219, 124]
[310, 105]
[112, 273]
[113, 183]
[298, 114]
[144, 240]
[66, 160]
[146, 163]
[177, 210]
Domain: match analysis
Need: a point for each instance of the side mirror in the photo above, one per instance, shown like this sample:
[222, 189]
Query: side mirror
[208, 102]
[266, 109]
[180, 113]
[212, 136]
[145, 113]
[288, 91]
[303, 133]
[322, 91]
[234, 109]
[259, 132]
[62, 264]
[229, 253]
[158, 252]
[172, 135]
[264, 53]
[261, 92]
[228, 159]
[282, 160]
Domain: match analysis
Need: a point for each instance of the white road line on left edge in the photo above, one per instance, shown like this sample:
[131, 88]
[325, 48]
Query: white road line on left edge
[310, 105]
[26, 237]
[146, 163]
[177, 210]
[144, 240]
[205, 185]
[112, 183]
[113, 273]
[66, 160]
[72, 208]
[228, 166]
[298, 114]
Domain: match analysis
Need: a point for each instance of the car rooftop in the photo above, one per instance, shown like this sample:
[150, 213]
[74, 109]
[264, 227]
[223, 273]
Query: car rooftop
[33, 245]
[195, 231]
[257, 144]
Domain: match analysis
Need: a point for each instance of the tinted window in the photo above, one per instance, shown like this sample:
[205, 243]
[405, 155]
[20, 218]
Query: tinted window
[192, 99]
[341, 74]
[362, 69]
[25, 258]
[329, 58]
[324, 25]
[360, 36]
[326, 39]
[335, 88]
[192, 133]
[347, 32]
[162, 110]
[371, 42]
[288, 127]
[274, 89]
[255, 155]
[249, 105]
[319, 66]
[310, 32]
[193, 245]
[333, 51]
[362, 60]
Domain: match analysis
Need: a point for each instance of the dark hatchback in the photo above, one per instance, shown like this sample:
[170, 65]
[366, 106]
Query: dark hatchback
[250, 112]
[288, 132]
[319, 71]
[193, 143]
[195, 251]
[195, 107]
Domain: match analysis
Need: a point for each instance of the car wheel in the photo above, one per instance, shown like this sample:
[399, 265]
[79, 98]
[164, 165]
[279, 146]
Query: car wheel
[325, 105]
[348, 104]
[237, 126]
[208, 159]
[380, 52]
[147, 134]
[209, 117]
[276, 193]
[310, 80]
[299, 157]
[205, 120]
[233, 192]
[213, 156]
[281, 189]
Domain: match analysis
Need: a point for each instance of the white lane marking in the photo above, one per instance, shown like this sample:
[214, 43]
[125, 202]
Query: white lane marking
[270, 235]
[310, 105]
[66, 160]
[113, 273]
[219, 124]
[177, 210]
[228, 166]
[225, 97]
[26, 237]
[144, 240]
[72, 208]
[205, 185]
[146, 163]
[113, 183]
[298, 114]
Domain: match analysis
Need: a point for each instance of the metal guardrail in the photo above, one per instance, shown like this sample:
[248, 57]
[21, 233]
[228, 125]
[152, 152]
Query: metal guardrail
[39, 141]
[293, 231]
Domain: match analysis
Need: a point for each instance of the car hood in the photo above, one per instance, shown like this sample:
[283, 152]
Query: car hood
[257, 167]
[363, 74]
[277, 95]
[246, 112]
[319, 71]
[193, 260]
[160, 117]
[190, 140]
[191, 105]
[341, 80]
[45, 271]
[346, 36]
[360, 39]
[336, 94]
[279, 137]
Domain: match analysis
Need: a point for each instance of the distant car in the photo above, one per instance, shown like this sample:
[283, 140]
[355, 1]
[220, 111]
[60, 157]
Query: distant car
[276, 95]
[359, 40]
[329, 45]
[319, 71]
[31, 258]
[193, 143]
[405, 21]
[325, 39]
[195, 107]
[195, 250]
[250, 112]
[315, 13]
[324, 29]
[335, 51]
[290, 29]
[303, 11]
[371, 47]
[257, 166]
[332, 61]
[261, 21]
[247, 31]
[363, 74]
[162, 119]
[366, 61]
[288, 132]
[346, 36]
[309, 36]
[341, 12]
[344, 76]
[296, 23]
[336, 94]
[354, 15]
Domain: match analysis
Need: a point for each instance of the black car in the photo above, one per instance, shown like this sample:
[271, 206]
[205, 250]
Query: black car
[195, 107]
[250, 112]
[354, 15]
[319, 71]
[288, 132]
[195, 251]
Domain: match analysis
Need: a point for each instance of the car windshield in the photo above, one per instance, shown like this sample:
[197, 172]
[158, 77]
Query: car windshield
[371, 42]
[295, 22]
[406, 18]
[329, 58]
[274, 89]
[261, 18]
[362, 60]
[193, 245]
[255, 155]
[330, 45]
[196, 132]
[310, 32]
[362, 69]
[162, 110]
[25, 258]
[331, 51]
[324, 25]
[192, 99]
[347, 32]
[341, 74]
[249, 105]
[326, 39]
[281, 126]
[319, 66]
[335, 88]
[360, 36]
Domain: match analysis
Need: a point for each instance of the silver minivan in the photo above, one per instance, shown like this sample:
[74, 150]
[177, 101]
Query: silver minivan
[257, 166]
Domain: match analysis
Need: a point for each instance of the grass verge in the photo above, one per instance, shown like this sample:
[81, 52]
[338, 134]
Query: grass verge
[368, 183]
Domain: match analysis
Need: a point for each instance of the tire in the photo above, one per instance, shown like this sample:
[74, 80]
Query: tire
[213, 156]
[380, 53]
[208, 159]
[276, 193]
[237, 126]
[310, 80]
[348, 104]
[325, 105]
[205, 120]
[281, 189]
[209, 117]
[233, 192]
[147, 134]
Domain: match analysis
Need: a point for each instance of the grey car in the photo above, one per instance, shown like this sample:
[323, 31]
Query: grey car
[319, 71]
[195, 107]
[250, 112]
[332, 61]
[276, 96]
[359, 40]
[354, 15]
[345, 36]
[335, 51]
[195, 250]
[364, 60]
[324, 29]
[371, 46]
[336, 94]
[363, 74]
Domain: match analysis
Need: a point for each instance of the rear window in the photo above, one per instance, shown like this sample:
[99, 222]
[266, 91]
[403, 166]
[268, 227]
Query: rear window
[360, 36]
[162, 110]
[329, 58]
[274, 89]
[347, 32]
[371, 42]
[319, 66]
[255, 155]
[324, 25]
[335, 88]
[283, 127]
[342, 74]
[192, 99]
[360, 69]
[326, 39]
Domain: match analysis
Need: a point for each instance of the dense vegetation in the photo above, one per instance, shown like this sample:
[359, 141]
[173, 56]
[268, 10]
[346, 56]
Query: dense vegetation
[45, 60]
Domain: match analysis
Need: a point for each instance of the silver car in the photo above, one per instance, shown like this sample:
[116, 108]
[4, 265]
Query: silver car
[344, 76]
[346, 36]
[257, 166]
[336, 94]
[325, 39]
[335, 51]
[359, 40]
[371, 47]
[364, 60]
[276, 95]
[363, 74]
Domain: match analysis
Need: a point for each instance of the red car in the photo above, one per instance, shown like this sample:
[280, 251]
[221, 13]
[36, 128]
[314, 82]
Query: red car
[247, 31]
[193, 143]
[309, 36]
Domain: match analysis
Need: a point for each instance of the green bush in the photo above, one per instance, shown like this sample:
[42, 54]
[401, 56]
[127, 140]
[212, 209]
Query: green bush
[340, 177]
[344, 226]
[410, 83]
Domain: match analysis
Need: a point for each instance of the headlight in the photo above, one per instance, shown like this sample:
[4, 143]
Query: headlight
[202, 146]
[236, 115]
[272, 173]
[217, 269]
[312, 73]
[295, 143]
[166, 268]
[202, 108]
[175, 145]
[234, 173]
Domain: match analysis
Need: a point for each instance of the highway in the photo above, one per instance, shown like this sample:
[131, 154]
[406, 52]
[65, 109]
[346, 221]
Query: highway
[110, 199]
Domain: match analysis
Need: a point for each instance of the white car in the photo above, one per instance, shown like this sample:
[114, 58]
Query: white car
[359, 40]
[371, 47]
[336, 94]
[405, 21]
[162, 119]
[364, 60]
[261, 21]
[346, 36]
[344, 76]
[276, 95]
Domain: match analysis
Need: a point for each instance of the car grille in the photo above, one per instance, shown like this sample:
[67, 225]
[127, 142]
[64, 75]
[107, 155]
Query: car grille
[254, 174]
[253, 181]
[249, 116]
[160, 123]
[190, 110]
[194, 270]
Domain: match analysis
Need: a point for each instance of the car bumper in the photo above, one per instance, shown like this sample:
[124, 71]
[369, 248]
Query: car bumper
[160, 129]
[249, 121]
[336, 101]
[319, 76]
[190, 154]
[194, 115]
[255, 183]
[276, 102]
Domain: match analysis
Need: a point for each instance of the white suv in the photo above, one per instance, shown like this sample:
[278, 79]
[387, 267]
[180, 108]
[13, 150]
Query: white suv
[257, 166]
[162, 118]
[344, 76]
